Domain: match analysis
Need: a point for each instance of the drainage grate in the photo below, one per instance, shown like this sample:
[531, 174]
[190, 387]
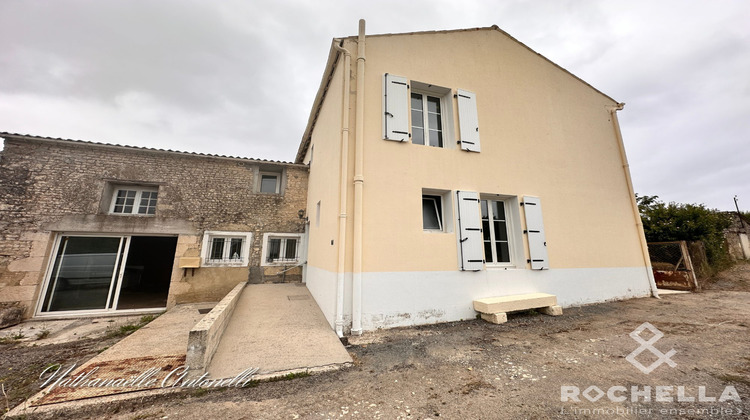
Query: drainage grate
[298, 297]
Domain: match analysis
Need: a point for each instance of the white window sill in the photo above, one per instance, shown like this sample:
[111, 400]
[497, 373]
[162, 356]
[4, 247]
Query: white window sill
[434, 231]
[497, 267]
[131, 214]
[224, 264]
[280, 263]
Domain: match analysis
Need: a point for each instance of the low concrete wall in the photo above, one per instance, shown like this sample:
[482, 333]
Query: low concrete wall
[205, 335]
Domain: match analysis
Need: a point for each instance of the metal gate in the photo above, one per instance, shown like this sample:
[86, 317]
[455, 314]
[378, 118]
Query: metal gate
[672, 266]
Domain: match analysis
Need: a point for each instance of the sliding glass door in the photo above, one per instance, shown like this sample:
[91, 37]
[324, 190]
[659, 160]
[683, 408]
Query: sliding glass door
[83, 273]
[107, 273]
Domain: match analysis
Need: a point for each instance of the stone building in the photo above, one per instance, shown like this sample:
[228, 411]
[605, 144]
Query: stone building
[90, 228]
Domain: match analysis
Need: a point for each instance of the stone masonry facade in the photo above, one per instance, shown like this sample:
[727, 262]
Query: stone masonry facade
[49, 186]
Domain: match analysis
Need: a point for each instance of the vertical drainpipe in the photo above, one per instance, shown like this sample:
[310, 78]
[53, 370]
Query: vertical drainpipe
[359, 181]
[633, 203]
[343, 187]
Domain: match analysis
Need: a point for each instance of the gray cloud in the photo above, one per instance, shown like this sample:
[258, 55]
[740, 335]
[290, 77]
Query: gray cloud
[239, 77]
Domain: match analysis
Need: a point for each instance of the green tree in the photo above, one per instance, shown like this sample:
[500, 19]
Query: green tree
[685, 222]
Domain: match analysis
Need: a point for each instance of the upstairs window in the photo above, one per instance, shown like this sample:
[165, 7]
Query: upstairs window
[270, 182]
[426, 120]
[134, 200]
[424, 113]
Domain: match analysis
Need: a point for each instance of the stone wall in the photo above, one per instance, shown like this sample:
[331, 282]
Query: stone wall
[738, 241]
[49, 186]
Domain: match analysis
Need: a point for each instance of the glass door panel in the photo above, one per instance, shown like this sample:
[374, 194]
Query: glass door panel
[83, 273]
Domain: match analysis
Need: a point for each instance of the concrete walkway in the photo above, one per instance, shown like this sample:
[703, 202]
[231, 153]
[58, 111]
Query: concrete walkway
[277, 328]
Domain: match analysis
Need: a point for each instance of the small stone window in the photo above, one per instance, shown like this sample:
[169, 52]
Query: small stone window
[134, 200]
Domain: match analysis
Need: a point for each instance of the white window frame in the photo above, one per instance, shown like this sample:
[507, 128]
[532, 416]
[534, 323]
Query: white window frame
[209, 236]
[283, 236]
[515, 237]
[277, 175]
[426, 128]
[438, 204]
[446, 210]
[139, 190]
[446, 112]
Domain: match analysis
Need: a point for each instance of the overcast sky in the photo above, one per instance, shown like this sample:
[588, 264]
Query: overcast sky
[239, 77]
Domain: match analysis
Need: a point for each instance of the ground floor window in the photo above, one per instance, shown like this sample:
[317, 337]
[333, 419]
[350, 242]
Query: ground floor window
[108, 273]
[226, 248]
[281, 248]
[495, 232]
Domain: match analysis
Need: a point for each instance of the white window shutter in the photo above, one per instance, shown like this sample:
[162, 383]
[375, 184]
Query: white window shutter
[470, 231]
[532, 209]
[395, 108]
[468, 121]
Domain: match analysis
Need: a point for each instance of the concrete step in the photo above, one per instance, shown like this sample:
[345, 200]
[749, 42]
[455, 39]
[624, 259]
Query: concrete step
[493, 305]
[494, 309]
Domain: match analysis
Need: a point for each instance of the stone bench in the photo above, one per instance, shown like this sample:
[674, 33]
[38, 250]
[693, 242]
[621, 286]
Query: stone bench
[495, 309]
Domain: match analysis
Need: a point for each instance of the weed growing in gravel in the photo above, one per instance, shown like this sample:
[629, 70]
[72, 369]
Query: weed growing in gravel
[127, 329]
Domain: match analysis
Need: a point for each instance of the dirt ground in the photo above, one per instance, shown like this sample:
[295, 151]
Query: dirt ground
[474, 369]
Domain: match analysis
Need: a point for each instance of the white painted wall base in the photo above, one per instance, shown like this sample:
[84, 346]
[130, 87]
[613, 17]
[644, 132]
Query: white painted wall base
[413, 298]
[322, 286]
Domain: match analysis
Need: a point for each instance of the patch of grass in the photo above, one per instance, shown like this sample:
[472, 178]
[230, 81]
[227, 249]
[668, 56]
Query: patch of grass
[199, 392]
[290, 376]
[127, 329]
[53, 367]
[12, 338]
[251, 384]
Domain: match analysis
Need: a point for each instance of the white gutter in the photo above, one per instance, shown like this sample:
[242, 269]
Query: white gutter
[633, 203]
[359, 181]
[343, 187]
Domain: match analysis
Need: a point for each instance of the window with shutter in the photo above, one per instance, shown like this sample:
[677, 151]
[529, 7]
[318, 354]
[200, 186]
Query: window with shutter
[395, 108]
[470, 231]
[468, 121]
[532, 209]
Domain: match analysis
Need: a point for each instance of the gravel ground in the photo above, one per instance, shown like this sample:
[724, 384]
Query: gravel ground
[474, 369]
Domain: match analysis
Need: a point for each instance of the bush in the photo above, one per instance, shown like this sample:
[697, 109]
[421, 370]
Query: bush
[686, 222]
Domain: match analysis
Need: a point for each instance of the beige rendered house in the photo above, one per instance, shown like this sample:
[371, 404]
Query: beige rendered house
[455, 165]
